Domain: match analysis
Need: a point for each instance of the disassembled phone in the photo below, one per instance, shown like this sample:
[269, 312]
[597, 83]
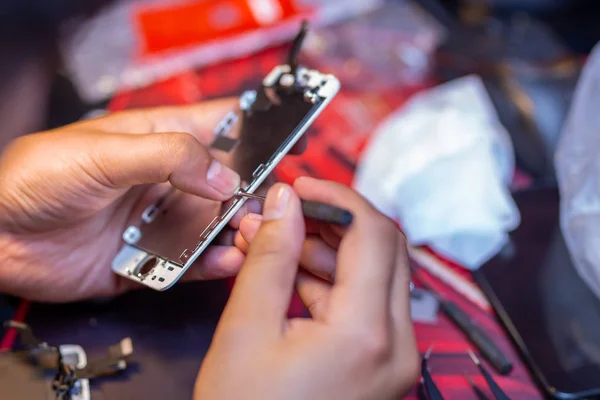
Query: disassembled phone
[268, 123]
[25, 372]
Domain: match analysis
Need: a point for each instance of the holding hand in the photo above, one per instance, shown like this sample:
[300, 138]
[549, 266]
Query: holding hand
[67, 195]
[360, 342]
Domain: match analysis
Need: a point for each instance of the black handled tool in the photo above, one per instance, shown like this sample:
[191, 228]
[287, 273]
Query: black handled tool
[432, 391]
[477, 336]
[315, 210]
[478, 392]
[496, 391]
[474, 333]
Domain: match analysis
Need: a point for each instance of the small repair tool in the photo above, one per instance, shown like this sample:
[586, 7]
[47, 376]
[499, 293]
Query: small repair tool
[314, 210]
[421, 395]
[292, 60]
[478, 392]
[496, 391]
[473, 332]
[433, 393]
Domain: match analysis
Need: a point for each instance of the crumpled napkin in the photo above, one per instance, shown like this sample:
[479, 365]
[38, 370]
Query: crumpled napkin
[441, 166]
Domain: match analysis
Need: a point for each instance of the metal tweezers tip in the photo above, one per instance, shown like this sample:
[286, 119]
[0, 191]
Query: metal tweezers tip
[428, 352]
[473, 357]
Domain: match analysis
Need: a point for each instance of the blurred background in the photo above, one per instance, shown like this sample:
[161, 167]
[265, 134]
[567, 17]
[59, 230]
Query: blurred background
[449, 120]
[63, 58]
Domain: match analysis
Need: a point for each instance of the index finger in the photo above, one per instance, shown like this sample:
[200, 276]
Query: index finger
[366, 256]
[199, 119]
[262, 291]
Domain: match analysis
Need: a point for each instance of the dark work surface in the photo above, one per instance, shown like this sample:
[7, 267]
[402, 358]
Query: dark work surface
[21, 380]
[547, 308]
[171, 332]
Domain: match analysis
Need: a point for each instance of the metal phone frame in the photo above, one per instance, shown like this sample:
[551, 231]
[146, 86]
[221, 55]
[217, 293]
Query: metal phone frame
[169, 272]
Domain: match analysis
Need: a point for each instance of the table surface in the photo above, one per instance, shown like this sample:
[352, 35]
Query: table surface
[172, 330]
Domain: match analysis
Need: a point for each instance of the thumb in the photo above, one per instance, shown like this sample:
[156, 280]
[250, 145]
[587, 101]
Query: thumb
[263, 288]
[124, 160]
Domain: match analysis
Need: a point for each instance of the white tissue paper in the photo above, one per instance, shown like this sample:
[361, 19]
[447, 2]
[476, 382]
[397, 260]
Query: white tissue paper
[577, 163]
[441, 166]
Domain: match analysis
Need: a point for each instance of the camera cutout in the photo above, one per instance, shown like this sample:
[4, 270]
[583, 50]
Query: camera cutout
[146, 266]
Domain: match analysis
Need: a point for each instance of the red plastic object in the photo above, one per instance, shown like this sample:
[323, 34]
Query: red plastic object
[174, 27]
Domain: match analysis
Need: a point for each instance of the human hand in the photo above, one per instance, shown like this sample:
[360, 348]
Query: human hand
[67, 195]
[360, 342]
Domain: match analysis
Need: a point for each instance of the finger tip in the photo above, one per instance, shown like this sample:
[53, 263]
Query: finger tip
[249, 226]
[282, 203]
[276, 187]
[218, 262]
[303, 180]
[230, 262]
[240, 243]
[238, 217]
[234, 257]
[222, 179]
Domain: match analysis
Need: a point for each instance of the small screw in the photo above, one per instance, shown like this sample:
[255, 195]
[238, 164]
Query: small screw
[287, 80]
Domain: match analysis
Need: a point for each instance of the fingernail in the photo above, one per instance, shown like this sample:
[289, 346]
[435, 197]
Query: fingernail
[276, 202]
[223, 179]
[251, 226]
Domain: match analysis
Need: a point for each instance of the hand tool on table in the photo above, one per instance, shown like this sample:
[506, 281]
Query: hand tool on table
[474, 333]
[478, 392]
[496, 391]
[315, 210]
[432, 391]
[421, 391]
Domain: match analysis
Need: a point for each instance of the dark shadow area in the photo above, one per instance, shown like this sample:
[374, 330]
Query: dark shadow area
[548, 310]
[171, 332]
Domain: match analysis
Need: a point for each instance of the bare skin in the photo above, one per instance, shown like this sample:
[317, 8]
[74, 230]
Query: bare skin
[66, 196]
[359, 343]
